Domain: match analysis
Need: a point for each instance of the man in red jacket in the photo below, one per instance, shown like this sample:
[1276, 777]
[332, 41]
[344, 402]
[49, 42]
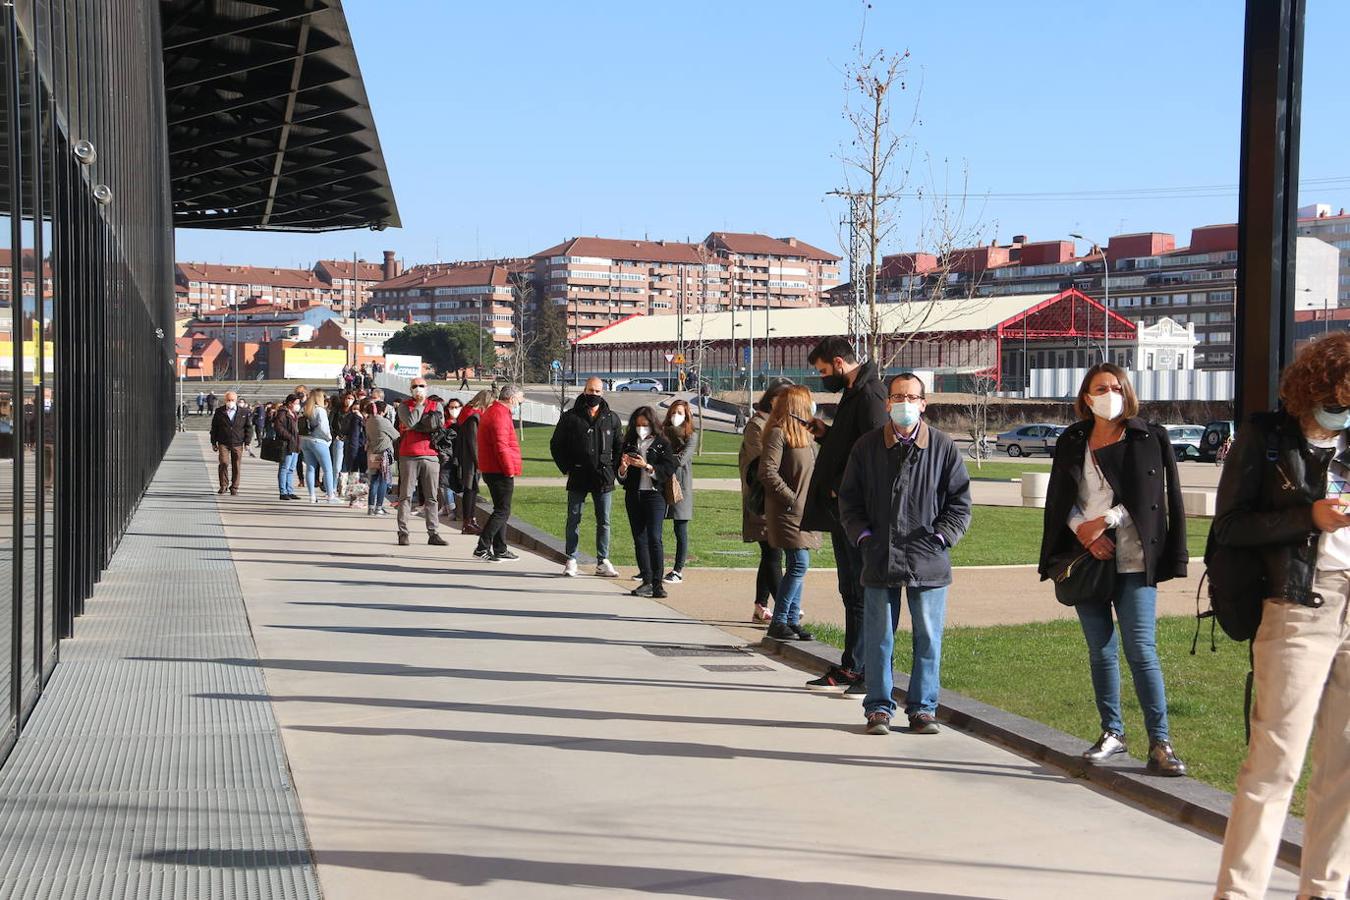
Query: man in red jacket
[499, 461]
[417, 418]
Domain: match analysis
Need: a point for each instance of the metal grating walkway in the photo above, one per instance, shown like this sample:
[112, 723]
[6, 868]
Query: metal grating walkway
[131, 780]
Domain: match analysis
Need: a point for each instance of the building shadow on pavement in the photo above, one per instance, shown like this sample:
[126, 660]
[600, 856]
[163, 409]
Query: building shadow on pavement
[353, 667]
[468, 634]
[511, 612]
[467, 871]
[680, 749]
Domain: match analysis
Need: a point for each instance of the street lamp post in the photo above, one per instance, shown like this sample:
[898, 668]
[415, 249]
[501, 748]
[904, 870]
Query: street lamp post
[1106, 296]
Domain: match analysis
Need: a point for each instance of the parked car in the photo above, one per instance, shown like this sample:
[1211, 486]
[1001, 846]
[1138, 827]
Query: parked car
[1185, 440]
[641, 384]
[1216, 434]
[1029, 439]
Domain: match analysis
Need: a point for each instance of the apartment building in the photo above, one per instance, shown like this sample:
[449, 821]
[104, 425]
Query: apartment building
[599, 281]
[772, 272]
[29, 274]
[480, 291]
[1149, 278]
[1318, 221]
[352, 284]
[217, 286]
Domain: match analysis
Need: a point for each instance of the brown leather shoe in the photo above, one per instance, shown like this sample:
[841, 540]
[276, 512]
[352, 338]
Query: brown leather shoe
[1162, 760]
[471, 528]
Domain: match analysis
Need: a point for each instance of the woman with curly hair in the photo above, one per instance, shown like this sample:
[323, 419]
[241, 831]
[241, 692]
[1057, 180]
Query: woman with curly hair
[1283, 497]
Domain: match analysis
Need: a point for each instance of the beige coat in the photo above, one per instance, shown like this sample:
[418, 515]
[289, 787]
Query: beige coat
[786, 473]
[752, 526]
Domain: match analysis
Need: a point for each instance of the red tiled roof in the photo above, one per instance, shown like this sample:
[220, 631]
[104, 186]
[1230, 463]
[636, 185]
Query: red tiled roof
[342, 268]
[217, 274]
[449, 275]
[763, 245]
[629, 251]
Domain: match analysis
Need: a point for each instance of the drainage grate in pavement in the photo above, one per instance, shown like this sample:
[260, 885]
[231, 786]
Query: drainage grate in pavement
[695, 650]
[738, 668]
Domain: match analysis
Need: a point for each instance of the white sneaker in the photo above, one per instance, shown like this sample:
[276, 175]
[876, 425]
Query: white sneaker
[570, 569]
[605, 569]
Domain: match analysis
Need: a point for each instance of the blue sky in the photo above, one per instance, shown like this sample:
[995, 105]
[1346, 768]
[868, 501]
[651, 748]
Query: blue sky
[510, 126]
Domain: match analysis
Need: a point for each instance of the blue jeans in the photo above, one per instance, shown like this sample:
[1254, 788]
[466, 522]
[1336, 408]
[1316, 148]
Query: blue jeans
[379, 489]
[318, 456]
[1136, 608]
[787, 604]
[337, 449]
[646, 517]
[286, 473]
[881, 617]
[576, 501]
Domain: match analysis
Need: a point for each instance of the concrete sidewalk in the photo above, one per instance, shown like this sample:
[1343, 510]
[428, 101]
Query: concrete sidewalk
[461, 729]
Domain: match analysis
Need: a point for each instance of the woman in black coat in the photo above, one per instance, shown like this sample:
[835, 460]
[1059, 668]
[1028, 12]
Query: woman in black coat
[645, 469]
[467, 456]
[1114, 493]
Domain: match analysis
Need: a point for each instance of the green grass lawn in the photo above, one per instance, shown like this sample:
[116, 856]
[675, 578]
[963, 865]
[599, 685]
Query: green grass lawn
[998, 470]
[1040, 671]
[999, 535]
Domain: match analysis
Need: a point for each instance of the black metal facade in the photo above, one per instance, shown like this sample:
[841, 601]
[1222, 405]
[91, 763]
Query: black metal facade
[86, 382]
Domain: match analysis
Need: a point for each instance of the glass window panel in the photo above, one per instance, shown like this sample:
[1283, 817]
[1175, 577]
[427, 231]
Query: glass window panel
[28, 269]
[7, 422]
[44, 480]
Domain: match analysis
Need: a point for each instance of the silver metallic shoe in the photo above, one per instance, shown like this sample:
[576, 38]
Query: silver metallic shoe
[1108, 745]
[1162, 760]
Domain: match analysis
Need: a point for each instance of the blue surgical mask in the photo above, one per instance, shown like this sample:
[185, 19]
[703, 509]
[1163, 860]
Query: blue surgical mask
[905, 415]
[1332, 421]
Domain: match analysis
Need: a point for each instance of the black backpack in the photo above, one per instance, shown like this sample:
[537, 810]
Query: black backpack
[1237, 591]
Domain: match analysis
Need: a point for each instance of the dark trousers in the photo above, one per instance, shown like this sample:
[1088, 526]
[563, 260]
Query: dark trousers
[500, 488]
[646, 516]
[681, 543]
[770, 574]
[848, 567]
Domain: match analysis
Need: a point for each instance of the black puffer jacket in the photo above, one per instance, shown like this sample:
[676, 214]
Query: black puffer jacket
[1271, 478]
[587, 450]
[862, 408]
[1142, 471]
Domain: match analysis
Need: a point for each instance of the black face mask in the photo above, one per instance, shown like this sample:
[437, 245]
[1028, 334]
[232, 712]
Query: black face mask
[587, 402]
[835, 383]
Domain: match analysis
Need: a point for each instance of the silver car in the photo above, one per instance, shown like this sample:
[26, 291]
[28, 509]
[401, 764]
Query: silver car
[641, 384]
[1029, 439]
[1185, 440]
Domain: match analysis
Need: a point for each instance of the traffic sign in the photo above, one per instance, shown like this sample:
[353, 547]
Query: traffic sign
[556, 365]
[670, 357]
[679, 359]
[745, 355]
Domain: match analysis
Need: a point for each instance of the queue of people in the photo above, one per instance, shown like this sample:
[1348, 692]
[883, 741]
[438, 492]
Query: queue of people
[893, 494]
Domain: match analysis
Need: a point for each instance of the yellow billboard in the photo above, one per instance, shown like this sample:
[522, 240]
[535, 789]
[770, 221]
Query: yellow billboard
[303, 362]
[29, 356]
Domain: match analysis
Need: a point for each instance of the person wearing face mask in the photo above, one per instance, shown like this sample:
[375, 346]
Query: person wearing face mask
[469, 474]
[769, 577]
[645, 466]
[446, 443]
[1283, 497]
[678, 431]
[340, 421]
[585, 448]
[785, 469]
[418, 417]
[499, 461]
[861, 410]
[285, 425]
[231, 432]
[1114, 491]
[905, 501]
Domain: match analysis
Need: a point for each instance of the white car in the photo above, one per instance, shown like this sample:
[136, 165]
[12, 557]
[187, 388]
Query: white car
[1185, 440]
[641, 384]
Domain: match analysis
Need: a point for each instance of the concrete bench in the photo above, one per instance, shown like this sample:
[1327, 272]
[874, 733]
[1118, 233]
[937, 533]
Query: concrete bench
[1035, 485]
[1199, 503]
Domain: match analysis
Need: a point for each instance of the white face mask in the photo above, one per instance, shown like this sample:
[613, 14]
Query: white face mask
[419, 391]
[643, 432]
[677, 419]
[1107, 406]
[230, 405]
[813, 409]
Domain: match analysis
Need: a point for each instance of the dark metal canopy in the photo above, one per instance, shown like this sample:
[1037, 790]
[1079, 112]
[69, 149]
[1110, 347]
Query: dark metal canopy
[269, 125]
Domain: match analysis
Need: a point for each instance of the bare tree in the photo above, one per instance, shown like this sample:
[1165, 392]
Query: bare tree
[879, 171]
[982, 388]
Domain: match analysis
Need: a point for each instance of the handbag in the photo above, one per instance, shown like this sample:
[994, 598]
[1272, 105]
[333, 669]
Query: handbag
[674, 494]
[1080, 577]
[273, 449]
